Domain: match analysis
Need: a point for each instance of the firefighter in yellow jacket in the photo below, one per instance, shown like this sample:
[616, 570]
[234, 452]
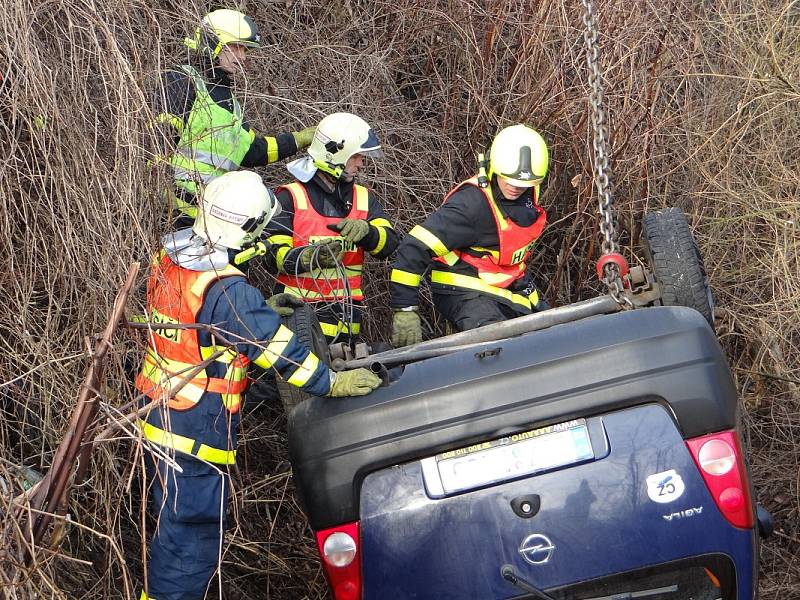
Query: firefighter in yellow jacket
[327, 224]
[477, 243]
[196, 377]
[211, 134]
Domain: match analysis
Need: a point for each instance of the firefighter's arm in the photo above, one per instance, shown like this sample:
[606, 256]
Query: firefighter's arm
[450, 227]
[267, 149]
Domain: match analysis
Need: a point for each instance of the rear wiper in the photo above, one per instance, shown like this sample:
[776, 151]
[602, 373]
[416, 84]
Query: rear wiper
[640, 594]
[507, 571]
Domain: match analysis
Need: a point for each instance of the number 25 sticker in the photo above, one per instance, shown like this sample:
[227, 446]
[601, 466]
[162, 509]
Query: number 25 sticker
[665, 487]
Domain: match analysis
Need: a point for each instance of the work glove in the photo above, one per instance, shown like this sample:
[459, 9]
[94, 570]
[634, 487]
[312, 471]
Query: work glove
[304, 137]
[358, 382]
[284, 304]
[353, 230]
[406, 328]
[325, 255]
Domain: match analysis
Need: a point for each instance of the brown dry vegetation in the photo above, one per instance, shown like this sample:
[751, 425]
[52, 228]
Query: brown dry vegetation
[703, 99]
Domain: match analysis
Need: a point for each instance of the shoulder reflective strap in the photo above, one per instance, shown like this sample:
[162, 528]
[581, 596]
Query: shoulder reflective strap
[299, 195]
[361, 195]
[498, 215]
[197, 79]
[205, 279]
[430, 240]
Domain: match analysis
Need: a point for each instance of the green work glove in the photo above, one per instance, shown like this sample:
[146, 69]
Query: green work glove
[353, 230]
[406, 328]
[358, 382]
[284, 304]
[304, 137]
[325, 255]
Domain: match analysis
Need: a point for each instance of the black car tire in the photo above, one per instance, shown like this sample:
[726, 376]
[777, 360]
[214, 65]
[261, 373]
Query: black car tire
[676, 262]
[306, 329]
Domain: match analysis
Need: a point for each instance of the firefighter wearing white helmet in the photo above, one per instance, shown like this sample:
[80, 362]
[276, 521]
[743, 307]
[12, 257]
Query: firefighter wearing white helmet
[195, 379]
[477, 243]
[208, 127]
[327, 224]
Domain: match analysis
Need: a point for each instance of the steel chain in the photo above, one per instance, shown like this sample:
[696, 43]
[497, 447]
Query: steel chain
[603, 177]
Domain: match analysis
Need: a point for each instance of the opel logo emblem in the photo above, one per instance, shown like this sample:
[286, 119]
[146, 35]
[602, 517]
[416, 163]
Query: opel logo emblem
[536, 549]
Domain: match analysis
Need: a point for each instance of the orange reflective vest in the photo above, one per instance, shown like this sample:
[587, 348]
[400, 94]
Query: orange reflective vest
[309, 227]
[502, 267]
[175, 296]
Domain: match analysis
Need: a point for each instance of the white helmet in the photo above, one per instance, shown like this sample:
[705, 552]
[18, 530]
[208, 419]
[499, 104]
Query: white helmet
[338, 137]
[234, 209]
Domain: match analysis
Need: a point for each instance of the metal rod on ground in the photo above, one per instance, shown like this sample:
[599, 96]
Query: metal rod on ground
[54, 488]
[491, 333]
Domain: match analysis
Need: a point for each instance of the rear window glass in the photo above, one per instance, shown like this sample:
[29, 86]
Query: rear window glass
[709, 577]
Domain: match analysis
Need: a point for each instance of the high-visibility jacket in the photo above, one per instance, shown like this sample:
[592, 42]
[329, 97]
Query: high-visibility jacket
[175, 296]
[499, 268]
[213, 140]
[309, 227]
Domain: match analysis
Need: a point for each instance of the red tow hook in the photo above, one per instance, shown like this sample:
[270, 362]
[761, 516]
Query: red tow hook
[616, 258]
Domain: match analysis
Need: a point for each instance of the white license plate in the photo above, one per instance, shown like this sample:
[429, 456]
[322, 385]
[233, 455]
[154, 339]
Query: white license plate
[507, 458]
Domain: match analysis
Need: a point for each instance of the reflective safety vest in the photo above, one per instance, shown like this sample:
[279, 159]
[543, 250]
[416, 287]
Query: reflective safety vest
[213, 141]
[175, 296]
[499, 268]
[309, 227]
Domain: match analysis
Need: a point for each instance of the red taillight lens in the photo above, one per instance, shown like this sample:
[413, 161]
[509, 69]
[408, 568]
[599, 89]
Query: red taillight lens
[721, 462]
[339, 549]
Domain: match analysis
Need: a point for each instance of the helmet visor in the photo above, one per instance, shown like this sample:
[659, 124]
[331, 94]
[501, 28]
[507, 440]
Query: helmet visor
[371, 147]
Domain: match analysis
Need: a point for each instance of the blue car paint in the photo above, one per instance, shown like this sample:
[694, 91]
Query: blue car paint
[597, 515]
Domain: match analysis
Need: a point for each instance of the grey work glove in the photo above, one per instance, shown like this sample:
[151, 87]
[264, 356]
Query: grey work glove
[284, 304]
[353, 230]
[406, 328]
[304, 137]
[325, 255]
[358, 382]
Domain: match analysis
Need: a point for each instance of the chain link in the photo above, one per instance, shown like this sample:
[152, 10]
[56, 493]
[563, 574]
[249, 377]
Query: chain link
[603, 178]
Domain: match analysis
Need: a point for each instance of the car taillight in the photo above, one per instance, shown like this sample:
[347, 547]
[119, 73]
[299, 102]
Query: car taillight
[721, 462]
[338, 547]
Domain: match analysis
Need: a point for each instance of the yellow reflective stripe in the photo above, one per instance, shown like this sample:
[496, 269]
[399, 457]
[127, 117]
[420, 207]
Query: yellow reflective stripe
[494, 253]
[276, 347]
[160, 377]
[381, 241]
[272, 149]
[494, 278]
[215, 455]
[406, 278]
[225, 358]
[473, 283]
[500, 218]
[534, 297]
[362, 198]
[332, 330]
[172, 120]
[381, 222]
[450, 258]
[280, 256]
[280, 239]
[430, 240]
[304, 372]
[299, 194]
[309, 295]
[184, 444]
[199, 286]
